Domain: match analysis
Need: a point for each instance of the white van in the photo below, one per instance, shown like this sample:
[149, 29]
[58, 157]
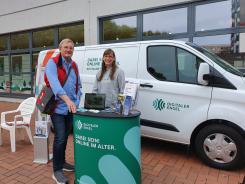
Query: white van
[187, 94]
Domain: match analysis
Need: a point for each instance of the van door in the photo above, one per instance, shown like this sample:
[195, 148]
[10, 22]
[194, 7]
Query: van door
[170, 100]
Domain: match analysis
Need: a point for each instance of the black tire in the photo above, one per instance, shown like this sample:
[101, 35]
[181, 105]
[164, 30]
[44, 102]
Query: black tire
[220, 146]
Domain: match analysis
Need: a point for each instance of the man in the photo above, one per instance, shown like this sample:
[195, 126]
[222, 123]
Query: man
[62, 75]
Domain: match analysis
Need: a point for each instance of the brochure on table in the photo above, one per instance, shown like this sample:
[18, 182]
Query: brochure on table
[131, 89]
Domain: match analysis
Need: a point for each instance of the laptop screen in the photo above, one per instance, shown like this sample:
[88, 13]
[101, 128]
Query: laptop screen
[94, 101]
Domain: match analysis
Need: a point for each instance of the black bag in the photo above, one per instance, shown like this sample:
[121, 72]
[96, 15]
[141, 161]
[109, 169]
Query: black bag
[46, 102]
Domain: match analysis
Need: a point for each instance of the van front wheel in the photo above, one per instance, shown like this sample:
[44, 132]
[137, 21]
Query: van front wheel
[220, 146]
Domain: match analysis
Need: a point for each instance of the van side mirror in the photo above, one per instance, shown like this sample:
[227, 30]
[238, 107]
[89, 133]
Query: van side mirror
[203, 73]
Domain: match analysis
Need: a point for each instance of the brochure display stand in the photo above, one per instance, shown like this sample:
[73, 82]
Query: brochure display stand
[41, 142]
[41, 152]
[107, 148]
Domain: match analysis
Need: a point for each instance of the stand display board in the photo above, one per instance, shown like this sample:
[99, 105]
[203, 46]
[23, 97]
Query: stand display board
[107, 148]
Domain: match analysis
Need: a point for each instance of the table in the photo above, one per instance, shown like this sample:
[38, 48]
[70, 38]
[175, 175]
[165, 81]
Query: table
[107, 148]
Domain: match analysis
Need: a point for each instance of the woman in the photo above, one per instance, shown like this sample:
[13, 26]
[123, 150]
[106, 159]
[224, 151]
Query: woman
[110, 80]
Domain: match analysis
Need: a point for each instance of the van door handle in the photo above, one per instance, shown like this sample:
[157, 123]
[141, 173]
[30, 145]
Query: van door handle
[146, 85]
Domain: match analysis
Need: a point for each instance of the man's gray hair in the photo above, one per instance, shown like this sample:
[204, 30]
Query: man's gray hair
[66, 40]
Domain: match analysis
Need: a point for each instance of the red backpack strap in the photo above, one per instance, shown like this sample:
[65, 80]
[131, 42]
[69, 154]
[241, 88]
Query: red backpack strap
[60, 70]
[74, 66]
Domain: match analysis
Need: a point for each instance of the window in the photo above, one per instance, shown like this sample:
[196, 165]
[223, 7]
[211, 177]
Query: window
[219, 61]
[43, 38]
[21, 84]
[197, 18]
[4, 74]
[1, 66]
[207, 17]
[216, 43]
[34, 61]
[21, 75]
[74, 32]
[241, 13]
[165, 25]
[34, 70]
[19, 41]
[223, 46]
[120, 28]
[188, 65]
[182, 39]
[161, 62]
[3, 43]
[16, 65]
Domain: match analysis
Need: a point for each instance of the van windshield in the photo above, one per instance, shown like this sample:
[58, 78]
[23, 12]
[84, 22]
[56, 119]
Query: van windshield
[222, 63]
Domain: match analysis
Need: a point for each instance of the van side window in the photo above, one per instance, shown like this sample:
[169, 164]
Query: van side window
[161, 62]
[188, 65]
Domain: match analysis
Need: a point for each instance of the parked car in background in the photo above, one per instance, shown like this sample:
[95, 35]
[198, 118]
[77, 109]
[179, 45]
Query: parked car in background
[186, 94]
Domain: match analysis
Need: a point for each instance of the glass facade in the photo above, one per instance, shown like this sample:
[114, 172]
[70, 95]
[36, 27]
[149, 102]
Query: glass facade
[217, 43]
[120, 28]
[216, 25]
[213, 20]
[18, 63]
[3, 43]
[74, 32]
[21, 76]
[19, 41]
[4, 77]
[34, 61]
[1, 66]
[239, 12]
[43, 38]
[165, 25]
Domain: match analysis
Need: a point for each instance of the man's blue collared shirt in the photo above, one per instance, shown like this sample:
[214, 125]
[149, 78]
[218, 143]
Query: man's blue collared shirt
[68, 89]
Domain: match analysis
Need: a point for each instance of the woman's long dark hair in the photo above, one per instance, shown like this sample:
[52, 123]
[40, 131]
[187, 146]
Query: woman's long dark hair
[113, 67]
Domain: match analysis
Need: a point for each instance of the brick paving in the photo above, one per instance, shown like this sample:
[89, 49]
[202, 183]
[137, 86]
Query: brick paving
[162, 163]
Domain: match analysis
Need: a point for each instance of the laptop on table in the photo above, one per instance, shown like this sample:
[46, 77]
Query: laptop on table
[94, 101]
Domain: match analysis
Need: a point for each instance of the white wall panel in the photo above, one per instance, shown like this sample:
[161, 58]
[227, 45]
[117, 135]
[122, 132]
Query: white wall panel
[10, 6]
[58, 13]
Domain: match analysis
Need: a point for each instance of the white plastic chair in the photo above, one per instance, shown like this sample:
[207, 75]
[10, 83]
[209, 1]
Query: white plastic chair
[22, 120]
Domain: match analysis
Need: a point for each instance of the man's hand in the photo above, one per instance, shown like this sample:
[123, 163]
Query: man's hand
[71, 106]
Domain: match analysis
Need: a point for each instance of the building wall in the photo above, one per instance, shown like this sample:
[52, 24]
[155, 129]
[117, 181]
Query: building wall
[41, 14]
[29, 26]
[23, 15]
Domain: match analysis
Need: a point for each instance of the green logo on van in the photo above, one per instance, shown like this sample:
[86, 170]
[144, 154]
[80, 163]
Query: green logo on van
[160, 104]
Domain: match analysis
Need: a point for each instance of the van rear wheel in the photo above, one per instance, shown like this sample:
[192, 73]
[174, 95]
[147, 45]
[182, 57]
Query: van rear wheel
[220, 146]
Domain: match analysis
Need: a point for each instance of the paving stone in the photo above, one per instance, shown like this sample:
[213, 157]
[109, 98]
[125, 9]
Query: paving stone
[162, 163]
